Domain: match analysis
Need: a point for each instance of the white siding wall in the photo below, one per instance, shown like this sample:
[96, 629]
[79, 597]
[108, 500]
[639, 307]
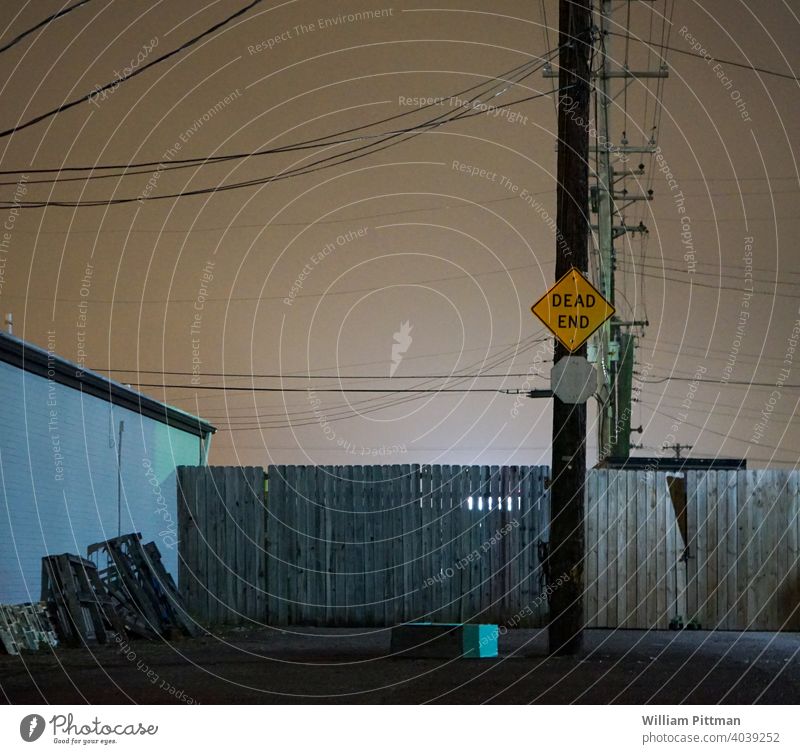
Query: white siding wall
[58, 477]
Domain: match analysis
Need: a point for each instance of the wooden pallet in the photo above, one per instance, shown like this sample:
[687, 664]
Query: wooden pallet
[141, 588]
[78, 604]
[26, 627]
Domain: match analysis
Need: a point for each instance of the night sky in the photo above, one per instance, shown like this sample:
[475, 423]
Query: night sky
[388, 249]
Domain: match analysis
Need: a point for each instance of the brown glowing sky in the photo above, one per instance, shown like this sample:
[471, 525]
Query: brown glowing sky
[460, 258]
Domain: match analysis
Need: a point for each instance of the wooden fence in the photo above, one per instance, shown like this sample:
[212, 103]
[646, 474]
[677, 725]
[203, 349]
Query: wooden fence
[634, 574]
[720, 547]
[377, 545]
[222, 564]
[745, 573]
[380, 545]
[363, 545]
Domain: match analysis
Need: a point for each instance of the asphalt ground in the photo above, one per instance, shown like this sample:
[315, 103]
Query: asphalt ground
[350, 666]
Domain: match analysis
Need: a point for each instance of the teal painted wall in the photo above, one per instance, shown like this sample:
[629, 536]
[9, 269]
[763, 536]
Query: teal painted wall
[58, 477]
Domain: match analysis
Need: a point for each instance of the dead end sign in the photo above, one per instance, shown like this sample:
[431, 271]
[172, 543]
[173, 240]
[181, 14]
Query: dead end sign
[572, 309]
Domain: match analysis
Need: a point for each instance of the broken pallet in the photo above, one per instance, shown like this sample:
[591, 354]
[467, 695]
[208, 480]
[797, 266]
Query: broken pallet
[142, 590]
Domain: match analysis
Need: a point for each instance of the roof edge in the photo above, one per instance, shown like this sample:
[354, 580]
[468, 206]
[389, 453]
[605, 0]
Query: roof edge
[38, 361]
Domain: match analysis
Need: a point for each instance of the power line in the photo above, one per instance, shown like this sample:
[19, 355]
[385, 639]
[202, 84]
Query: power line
[718, 266]
[299, 418]
[714, 355]
[135, 72]
[742, 413]
[275, 297]
[680, 378]
[720, 221]
[703, 351]
[297, 223]
[332, 161]
[331, 139]
[294, 173]
[249, 422]
[633, 267]
[724, 435]
[253, 375]
[312, 416]
[305, 223]
[416, 391]
[692, 283]
[677, 373]
[333, 448]
[496, 360]
[738, 64]
[371, 405]
[254, 389]
[735, 179]
[713, 195]
[49, 19]
[507, 350]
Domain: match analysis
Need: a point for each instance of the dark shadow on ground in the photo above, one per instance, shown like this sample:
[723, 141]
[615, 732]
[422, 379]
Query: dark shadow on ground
[348, 666]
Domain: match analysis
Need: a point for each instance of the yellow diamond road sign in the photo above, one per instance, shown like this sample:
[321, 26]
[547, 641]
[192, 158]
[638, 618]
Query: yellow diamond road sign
[572, 309]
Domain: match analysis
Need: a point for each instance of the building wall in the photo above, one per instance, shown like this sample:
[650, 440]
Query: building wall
[58, 477]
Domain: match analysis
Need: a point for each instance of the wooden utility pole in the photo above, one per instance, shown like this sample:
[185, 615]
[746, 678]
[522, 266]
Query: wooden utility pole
[566, 547]
[677, 447]
[616, 350]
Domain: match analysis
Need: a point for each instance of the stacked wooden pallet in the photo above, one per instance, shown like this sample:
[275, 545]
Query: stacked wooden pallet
[141, 590]
[78, 604]
[25, 627]
[130, 594]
